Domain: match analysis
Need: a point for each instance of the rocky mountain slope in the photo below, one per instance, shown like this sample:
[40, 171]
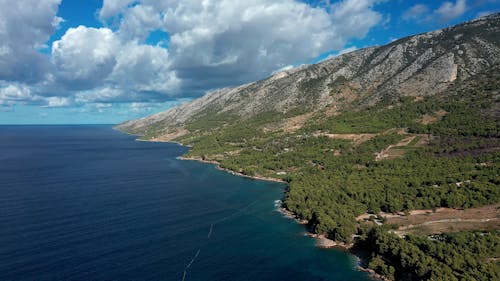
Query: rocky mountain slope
[419, 65]
[375, 134]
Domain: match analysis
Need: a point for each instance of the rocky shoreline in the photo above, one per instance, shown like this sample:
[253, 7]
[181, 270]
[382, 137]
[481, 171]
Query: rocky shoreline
[218, 167]
[325, 243]
[321, 240]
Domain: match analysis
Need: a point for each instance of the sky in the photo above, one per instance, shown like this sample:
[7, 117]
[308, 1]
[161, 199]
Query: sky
[108, 61]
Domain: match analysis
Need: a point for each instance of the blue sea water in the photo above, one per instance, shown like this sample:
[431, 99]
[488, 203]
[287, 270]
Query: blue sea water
[90, 203]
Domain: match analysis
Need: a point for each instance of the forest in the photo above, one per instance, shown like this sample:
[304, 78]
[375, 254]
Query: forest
[451, 161]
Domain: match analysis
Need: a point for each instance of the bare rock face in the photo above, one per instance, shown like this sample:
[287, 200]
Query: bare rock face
[424, 64]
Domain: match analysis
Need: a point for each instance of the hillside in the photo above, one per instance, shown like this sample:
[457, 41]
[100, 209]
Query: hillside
[407, 126]
[421, 65]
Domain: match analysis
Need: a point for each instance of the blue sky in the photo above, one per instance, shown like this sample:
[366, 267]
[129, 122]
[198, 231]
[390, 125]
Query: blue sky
[94, 61]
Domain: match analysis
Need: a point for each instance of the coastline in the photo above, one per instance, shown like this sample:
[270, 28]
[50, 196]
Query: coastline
[218, 167]
[322, 241]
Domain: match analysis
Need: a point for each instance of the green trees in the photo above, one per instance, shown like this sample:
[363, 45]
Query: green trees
[459, 256]
[378, 264]
[331, 181]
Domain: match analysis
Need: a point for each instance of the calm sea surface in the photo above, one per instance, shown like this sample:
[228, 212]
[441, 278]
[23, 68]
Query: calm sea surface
[90, 203]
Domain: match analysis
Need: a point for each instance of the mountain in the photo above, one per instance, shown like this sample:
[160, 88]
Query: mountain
[420, 65]
[394, 150]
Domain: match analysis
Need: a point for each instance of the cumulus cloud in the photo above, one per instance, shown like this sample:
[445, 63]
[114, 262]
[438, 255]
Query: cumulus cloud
[144, 68]
[23, 31]
[449, 10]
[111, 8]
[220, 43]
[446, 12]
[210, 44]
[84, 56]
[96, 62]
[354, 18]
[14, 92]
[138, 22]
[57, 102]
[19, 93]
[415, 12]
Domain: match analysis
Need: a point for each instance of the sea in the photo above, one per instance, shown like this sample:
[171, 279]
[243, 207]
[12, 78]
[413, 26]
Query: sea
[88, 202]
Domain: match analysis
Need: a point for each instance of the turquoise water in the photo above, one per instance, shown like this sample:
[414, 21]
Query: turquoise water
[90, 203]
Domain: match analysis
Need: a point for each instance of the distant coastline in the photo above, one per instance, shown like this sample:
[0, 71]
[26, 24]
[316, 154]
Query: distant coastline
[218, 167]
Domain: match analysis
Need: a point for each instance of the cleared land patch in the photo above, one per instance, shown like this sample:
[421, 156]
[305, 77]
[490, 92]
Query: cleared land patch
[357, 139]
[170, 136]
[432, 118]
[400, 148]
[425, 222]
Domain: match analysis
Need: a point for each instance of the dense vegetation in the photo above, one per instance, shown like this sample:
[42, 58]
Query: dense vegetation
[457, 256]
[452, 161]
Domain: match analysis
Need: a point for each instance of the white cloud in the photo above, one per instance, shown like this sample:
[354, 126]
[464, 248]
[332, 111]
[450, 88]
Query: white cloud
[210, 44]
[103, 105]
[138, 22]
[347, 50]
[446, 12]
[354, 18]
[12, 92]
[95, 61]
[341, 52]
[284, 68]
[225, 42]
[25, 26]
[144, 68]
[229, 42]
[111, 8]
[99, 95]
[18, 93]
[57, 102]
[140, 107]
[449, 10]
[85, 56]
[484, 13]
[416, 12]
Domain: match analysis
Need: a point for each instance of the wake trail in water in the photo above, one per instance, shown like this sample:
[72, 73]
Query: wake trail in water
[237, 212]
[210, 233]
[189, 264]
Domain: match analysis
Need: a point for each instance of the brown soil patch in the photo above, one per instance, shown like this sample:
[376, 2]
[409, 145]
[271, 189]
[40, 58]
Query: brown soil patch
[289, 125]
[421, 216]
[441, 113]
[332, 110]
[424, 140]
[399, 131]
[171, 136]
[406, 141]
[447, 220]
[391, 151]
[400, 148]
[295, 123]
[233, 152]
[355, 138]
[429, 119]
[453, 225]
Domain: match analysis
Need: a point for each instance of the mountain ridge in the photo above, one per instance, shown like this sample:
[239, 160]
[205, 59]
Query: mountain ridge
[423, 64]
[409, 127]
